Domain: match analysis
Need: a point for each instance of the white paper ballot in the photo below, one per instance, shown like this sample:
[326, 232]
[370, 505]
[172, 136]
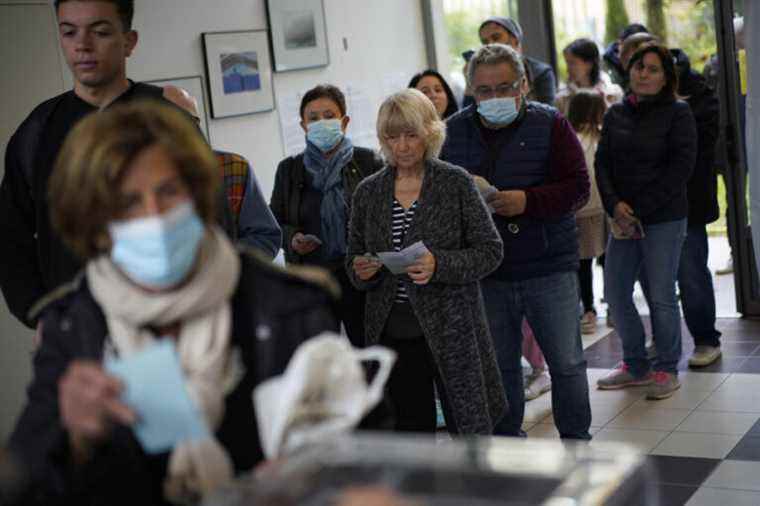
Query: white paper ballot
[155, 389]
[398, 261]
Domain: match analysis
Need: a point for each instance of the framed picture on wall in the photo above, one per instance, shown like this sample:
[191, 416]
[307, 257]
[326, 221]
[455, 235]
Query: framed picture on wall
[298, 34]
[238, 72]
[194, 86]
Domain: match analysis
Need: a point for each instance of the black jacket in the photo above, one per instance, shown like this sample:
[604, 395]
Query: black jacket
[646, 156]
[273, 312]
[614, 67]
[702, 189]
[543, 84]
[33, 260]
[288, 185]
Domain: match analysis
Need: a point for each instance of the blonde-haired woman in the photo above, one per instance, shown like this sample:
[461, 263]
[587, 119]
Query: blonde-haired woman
[133, 194]
[432, 315]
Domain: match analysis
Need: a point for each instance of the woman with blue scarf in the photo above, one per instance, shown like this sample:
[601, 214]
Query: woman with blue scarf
[312, 195]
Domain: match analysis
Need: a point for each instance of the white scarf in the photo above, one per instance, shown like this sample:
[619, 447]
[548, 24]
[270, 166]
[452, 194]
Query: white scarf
[202, 307]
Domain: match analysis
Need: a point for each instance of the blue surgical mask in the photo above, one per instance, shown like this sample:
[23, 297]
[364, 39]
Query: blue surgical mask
[325, 134]
[498, 111]
[158, 251]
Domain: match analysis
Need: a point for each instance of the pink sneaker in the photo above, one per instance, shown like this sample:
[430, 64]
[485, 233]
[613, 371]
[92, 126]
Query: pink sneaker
[622, 378]
[665, 384]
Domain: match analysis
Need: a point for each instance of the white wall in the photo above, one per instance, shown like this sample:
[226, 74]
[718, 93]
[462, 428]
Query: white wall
[384, 39]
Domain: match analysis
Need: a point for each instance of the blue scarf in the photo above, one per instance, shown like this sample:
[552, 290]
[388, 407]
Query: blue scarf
[327, 178]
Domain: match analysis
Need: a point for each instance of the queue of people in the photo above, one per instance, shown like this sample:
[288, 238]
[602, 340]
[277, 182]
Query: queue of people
[129, 221]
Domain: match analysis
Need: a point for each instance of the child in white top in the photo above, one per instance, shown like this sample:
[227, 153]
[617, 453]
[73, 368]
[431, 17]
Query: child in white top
[585, 112]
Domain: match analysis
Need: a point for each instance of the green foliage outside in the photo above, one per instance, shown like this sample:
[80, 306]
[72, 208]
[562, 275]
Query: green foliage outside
[691, 27]
[656, 19]
[462, 28]
[693, 30]
[616, 20]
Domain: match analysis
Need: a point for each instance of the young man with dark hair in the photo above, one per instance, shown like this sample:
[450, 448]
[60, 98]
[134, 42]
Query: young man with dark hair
[96, 40]
[124, 8]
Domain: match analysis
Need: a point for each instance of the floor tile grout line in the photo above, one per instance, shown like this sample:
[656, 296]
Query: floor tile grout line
[756, 491]
[710, 433]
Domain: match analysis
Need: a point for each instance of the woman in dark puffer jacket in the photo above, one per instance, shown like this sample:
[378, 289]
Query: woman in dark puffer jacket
[643, 163]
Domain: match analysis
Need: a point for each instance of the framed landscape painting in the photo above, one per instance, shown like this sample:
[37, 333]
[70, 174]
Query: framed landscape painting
[298, 34]
[238, 71]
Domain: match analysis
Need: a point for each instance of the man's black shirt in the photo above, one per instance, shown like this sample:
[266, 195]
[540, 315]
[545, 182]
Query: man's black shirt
[33, 259]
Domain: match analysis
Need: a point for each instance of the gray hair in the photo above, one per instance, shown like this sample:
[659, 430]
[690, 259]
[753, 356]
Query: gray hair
[493, 54]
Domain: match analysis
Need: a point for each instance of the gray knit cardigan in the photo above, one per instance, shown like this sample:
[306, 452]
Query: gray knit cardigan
[453, 222]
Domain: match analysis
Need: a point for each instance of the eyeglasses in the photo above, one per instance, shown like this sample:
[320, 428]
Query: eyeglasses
[502, 90]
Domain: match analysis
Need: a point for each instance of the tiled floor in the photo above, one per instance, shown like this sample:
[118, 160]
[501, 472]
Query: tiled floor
[703, 444]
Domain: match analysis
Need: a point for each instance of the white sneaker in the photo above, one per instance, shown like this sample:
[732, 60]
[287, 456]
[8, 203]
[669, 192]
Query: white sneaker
[704, 356]
[588, 322]
[538, 384]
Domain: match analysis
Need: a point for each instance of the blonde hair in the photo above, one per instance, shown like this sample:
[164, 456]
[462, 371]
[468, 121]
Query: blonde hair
[410, 110]
[98, 152]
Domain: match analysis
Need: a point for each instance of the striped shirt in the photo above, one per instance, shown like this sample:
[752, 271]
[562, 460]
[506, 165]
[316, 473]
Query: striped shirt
[402, 220]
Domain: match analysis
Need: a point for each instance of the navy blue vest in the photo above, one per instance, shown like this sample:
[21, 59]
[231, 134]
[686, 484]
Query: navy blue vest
[532, 247]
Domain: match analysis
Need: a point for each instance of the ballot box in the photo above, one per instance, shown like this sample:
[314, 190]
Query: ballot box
[422, 470]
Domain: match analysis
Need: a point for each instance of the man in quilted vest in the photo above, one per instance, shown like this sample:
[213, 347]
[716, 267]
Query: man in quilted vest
[530, 154]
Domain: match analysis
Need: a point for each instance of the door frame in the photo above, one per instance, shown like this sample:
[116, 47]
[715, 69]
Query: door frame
[746, 284]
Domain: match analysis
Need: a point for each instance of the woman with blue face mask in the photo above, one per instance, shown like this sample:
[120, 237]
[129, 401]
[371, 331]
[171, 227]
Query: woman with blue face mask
[133, 194]
[312, 194]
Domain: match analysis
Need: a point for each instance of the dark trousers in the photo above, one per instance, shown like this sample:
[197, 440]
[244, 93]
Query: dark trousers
[586, 282]
[350, 309]
[410, 387]
[696, 288]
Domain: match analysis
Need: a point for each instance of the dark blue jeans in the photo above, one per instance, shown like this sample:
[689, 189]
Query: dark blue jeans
[696, 287]
[656, 257]
[550, 304]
